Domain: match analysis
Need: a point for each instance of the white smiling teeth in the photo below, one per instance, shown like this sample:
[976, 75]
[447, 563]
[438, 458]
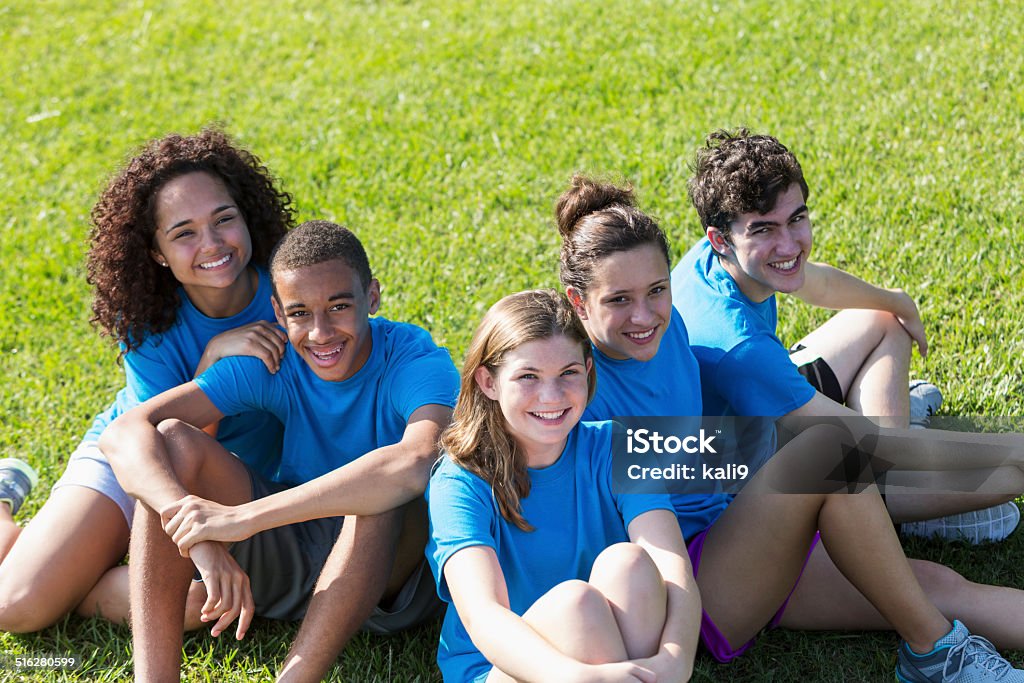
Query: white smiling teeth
[550, 416]
[640, 335]
[786, 265]
[214, 264]
[324, 355]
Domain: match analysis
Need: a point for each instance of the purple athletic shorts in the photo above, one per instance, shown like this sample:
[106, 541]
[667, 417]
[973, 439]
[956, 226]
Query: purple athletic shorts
[710, 636]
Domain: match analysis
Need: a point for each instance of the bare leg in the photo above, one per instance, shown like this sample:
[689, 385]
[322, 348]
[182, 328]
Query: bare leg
[371, 559]
[578, 621]
[59, 557]
[631, 583]
[9, 530]
[753, 554]
[869, 351]
[618, 615]
[990, 487]
[825, 600]
[158, 575]
[109, 599]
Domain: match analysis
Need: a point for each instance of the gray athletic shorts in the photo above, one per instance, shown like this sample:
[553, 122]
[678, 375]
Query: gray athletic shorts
[87, 467]
[284, 564]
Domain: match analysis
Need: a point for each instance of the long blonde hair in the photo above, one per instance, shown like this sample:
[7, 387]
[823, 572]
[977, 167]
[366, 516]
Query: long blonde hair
[478, 439]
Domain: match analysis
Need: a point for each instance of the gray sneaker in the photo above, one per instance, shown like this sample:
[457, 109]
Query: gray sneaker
[16, 480]
[978, 526]
[958, 657]
[925, 401]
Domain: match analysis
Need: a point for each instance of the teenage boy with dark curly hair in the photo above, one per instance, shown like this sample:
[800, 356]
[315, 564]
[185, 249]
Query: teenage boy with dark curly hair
[751, 196]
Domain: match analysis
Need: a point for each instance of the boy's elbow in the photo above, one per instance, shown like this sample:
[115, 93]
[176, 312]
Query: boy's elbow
[418, 470]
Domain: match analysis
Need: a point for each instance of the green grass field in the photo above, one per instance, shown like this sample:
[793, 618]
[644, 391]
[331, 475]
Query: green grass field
[442, 133]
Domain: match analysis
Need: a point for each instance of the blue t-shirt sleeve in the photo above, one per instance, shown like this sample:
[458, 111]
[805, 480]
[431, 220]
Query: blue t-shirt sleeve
[461, 516]
[237, 384]
[757, 378]
[598, 438]
[423, 379]
[147, 374]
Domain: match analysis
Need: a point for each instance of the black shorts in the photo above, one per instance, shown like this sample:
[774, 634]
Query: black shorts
[820, 376]
[284, 564]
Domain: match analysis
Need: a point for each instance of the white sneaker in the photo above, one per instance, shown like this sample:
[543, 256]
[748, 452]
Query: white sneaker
[958, 657]
[978, 526]
[925, 401]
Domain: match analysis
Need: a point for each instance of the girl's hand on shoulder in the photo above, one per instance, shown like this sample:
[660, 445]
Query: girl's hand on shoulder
[262, 340]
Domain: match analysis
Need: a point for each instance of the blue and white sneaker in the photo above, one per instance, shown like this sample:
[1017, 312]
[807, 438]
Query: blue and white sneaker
[977, 526]
[925, 401]
[958, 657]
[16, 480]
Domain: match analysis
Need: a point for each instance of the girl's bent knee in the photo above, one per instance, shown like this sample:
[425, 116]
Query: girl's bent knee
[938, 580]
[578, 597]
[628, 558]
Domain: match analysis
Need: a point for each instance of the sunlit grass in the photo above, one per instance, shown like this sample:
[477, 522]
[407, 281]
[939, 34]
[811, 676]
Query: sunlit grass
[442, 134]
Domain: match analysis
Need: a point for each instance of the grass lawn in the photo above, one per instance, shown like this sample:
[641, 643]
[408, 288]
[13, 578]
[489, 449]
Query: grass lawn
[442, 133]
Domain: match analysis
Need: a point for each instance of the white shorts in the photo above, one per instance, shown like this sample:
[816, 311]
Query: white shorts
[87, 467]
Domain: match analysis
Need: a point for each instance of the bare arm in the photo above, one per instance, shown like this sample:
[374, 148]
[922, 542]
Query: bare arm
[657, 532]
[135, 448]
[829, 287]
[380, 480]
[138, 456]
[480, 594]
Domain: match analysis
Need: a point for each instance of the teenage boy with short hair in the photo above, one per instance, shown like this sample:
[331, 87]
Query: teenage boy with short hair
[750, 194]
[363, 401]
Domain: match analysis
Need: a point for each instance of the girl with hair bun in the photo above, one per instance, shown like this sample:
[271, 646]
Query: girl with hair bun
[550, 574]
[756, 556]
[179, 247]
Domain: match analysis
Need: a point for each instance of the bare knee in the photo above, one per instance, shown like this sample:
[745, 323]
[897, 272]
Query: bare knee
[181, 441]
[940, 583]
[627, 559]
[580, 598]
[884, 325]
[809, 462]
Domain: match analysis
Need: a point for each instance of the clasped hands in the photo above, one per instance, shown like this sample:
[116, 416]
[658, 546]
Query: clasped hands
[200, 528]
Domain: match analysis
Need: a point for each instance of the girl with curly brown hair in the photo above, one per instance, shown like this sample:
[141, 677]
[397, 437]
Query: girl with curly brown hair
[179, 247]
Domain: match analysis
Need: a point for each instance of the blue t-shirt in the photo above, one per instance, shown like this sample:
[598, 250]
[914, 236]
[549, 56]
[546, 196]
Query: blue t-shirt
[168, 359]
[330, 424]
[744, 368]
[575, 516]
[667, 385]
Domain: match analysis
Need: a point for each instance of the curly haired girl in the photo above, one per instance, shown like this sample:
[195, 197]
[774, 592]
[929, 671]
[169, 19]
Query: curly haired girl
[179, 248]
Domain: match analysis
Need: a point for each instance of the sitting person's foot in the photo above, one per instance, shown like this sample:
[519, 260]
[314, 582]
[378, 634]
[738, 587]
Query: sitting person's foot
[17, 478]
[958, 657]
[925, 401]
[977, 526]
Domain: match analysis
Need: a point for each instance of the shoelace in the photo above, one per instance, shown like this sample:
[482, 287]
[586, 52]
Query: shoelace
[981, 651]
